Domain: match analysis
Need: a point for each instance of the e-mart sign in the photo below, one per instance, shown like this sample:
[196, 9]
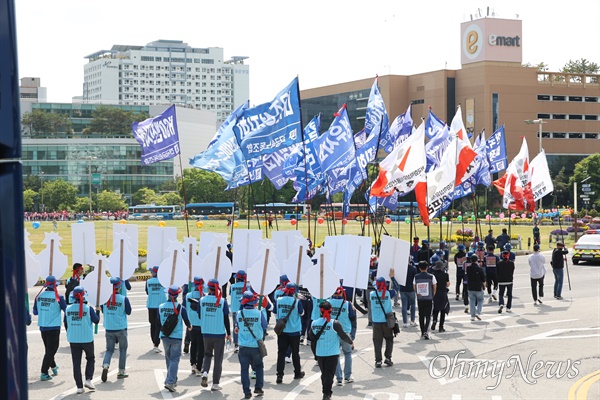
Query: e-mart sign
[491, 39]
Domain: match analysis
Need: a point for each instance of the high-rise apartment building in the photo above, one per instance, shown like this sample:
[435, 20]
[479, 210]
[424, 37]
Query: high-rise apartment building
[167, 72]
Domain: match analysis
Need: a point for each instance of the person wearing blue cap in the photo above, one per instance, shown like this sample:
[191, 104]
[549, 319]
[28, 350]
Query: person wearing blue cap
[236, 290]
[47, 306]
[250, 325]
[289, 306]
[156, 296]
[192, 304]
[172, 341]
[214, 316]
[425, 253]
[79, 320]
[381, 304]
[116, 310]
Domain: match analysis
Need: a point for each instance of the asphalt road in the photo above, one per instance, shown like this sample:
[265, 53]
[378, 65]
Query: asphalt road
[551, 351]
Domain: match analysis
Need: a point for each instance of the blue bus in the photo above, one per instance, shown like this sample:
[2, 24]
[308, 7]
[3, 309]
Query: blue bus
[151, 211]
[287, 211]
[403, 211]
[204, 210]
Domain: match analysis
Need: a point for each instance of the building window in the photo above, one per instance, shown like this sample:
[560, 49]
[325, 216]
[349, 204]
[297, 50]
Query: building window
[543, 97]
[558, 135]
[575, 98]
[591, 136]
[559, 116]
[575, 135]
[591, 118]
[576, 116]
[591, 99]
[559, 98]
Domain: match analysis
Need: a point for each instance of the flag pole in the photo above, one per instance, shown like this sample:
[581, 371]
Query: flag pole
[185, 212]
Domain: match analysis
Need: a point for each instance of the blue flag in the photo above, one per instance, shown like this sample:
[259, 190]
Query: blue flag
[246, 173]
[307, 181]
[389, 202]
[270, 126]
[158, 136]
[231, 118]
[376, 118]
[335, 148]
[496, 151]
[433, 125]
[481, 176]
[435, 148]
[400, 130]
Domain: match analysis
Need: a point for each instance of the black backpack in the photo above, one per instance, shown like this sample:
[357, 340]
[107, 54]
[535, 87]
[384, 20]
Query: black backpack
[170, 323]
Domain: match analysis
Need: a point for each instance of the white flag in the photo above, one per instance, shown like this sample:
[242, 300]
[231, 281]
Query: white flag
[541, 182]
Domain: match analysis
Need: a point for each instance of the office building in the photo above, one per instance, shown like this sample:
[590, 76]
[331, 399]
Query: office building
[31, 90]
[166, 72]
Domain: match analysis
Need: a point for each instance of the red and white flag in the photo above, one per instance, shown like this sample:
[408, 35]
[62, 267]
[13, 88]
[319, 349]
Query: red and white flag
[439, 186]
[465, 160]
[541, 181]
[403, 168]
[515, 185]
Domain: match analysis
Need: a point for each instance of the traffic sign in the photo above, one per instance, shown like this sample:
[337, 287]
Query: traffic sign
[584, 196]
[586, 189]
[585, 185]
[590, 193]
[96, 179]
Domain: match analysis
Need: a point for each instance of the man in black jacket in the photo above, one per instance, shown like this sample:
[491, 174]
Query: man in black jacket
[558, 265]
[425, 286]
[475, 286]
[505, 270]
[502, 239]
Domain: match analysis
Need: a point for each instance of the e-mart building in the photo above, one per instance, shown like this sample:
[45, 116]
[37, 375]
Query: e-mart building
[492, 88]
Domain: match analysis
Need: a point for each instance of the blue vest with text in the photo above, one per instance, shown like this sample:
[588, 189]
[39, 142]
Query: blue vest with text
[193, 316]
[156, 293]
[344, 317]
[211, 315]
[284, 304]
[48, 310]
[236, 295]
[79, 330]
[329, 342]
[166, 309]
[377, 313]
[253, 318]
[424, 284]
[115, 318]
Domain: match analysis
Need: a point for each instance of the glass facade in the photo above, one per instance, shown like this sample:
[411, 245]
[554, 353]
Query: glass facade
[356, 104]
[76, 158]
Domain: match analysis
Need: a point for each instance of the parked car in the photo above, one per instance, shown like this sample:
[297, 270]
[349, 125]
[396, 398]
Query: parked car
[587, 248]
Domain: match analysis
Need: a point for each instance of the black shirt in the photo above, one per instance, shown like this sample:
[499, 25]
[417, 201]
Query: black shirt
[476, 277]
[558, 259]
[505, 270]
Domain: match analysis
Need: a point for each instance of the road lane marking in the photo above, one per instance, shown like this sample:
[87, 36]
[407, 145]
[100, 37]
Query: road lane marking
[553, 334]
[74, 390]
[580, 389]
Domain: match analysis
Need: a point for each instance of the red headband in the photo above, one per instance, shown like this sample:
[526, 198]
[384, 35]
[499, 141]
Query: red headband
[217, 290]
[326, 314]
[381, 286]
[79, 297]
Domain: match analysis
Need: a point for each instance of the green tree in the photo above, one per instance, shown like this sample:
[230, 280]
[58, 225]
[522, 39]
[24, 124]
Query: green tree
[113, 120]
[59, 195]
[82, 204]
[581, 66]
[32, 182]
[561, 187]
[168, 199]
[589, 167]
[169, 186]
[110, 201]
[204, 186]
[38, 122]
[29, 199]
[542, 66]
[144, 196]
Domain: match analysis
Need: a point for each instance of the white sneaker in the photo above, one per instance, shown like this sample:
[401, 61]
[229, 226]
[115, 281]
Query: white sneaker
[288, 360]
[413, 323]
[215, 387]
[88, 384]
[157, 349]
[80, 390]
[405, 325]
[490, 299]
[339, 383]
[508, 310]
[349, 380]
[194, 371]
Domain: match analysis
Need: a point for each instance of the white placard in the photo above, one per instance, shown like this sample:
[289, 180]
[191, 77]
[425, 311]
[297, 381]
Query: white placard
[297, 261]
[32, 264]
[357, 255]
[174, 268]
[84, 243]
[97, 284]
[335, 245]
[216, 265]
[192, 257]
[210, 239]
[52, 261]
[132, 233]
[246, 243]
[286, 243]
[321, 280]
[394, 253]
[263, 275]
[122, 261]
[159, 239]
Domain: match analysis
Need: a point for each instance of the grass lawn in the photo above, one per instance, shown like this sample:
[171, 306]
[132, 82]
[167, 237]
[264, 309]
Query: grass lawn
[104, 231]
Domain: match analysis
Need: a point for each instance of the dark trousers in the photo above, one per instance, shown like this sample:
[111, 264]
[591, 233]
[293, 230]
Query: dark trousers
[459, 279]
[442, 317]
[381, 332]
[51, 341]
[283, 342]
[154, 320]
[77, 350]
[214, 346]
[328, 366]
[491, 278]
[508, 289]
[424, 307]
[465, 294]
[196, 348]
[534, 288]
